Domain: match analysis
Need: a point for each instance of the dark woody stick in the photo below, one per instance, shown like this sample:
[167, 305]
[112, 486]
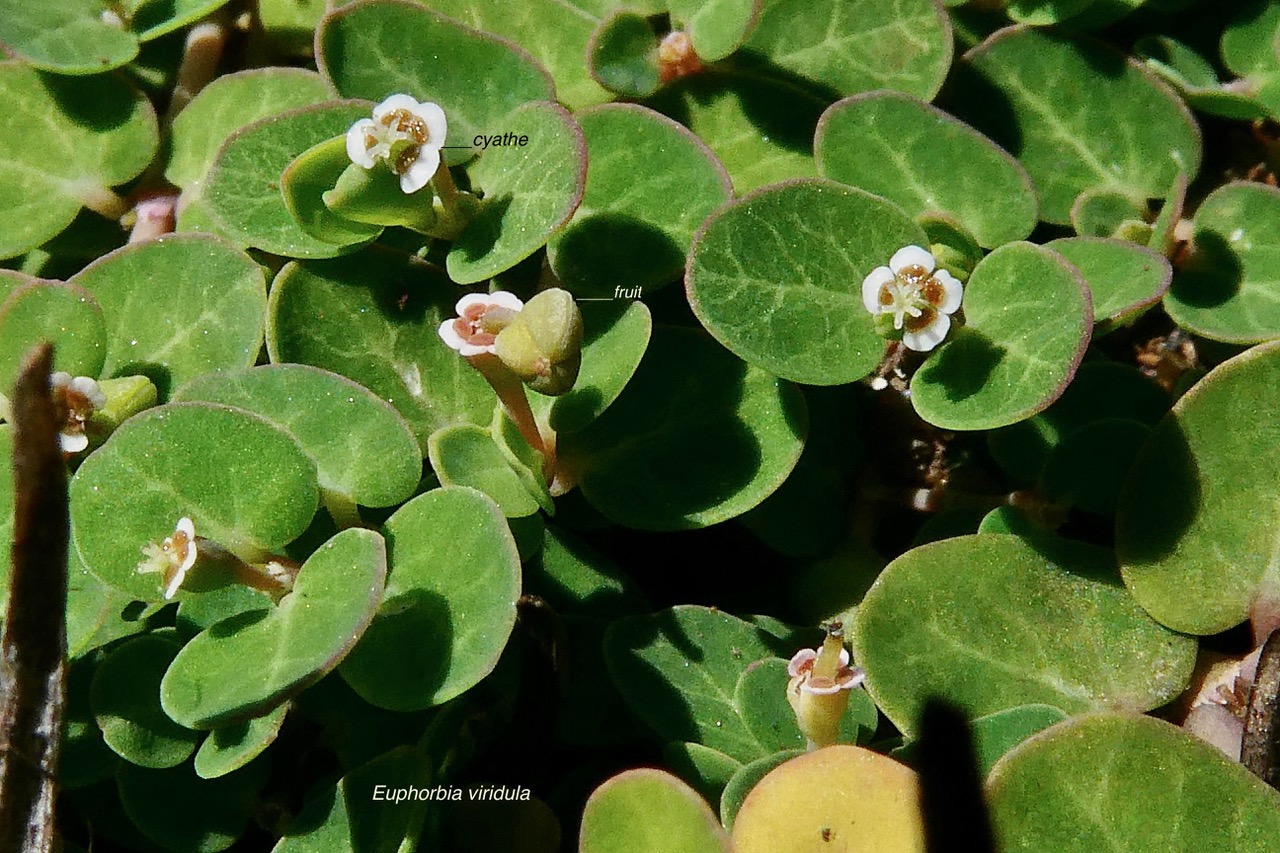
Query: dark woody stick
[33, 649]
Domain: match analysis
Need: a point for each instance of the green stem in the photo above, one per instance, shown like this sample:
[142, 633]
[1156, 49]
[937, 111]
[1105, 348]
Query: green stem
[515, 402]
[341, 508]
[445, 188]
[200, 57]
[104, 202]
[456, 207]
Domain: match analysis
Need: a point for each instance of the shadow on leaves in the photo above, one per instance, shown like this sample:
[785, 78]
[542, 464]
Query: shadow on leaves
[965, 366]
[1213, 276]
[605, 251]
[674, 444]
[404, 656]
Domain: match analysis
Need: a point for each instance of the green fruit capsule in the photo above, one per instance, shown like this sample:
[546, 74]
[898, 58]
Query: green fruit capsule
[543, 344]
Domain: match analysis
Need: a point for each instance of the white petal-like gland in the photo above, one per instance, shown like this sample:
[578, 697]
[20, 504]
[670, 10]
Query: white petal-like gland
[952, 291]
[437, 124]
[930, 336]
[188, 531]
[357, 151]
[422, 171]
[501, 298]
[72, 442]
[393, 103]
[876, 279]
[89, 388]
[912, 256]
[450, 336]
[800, 660]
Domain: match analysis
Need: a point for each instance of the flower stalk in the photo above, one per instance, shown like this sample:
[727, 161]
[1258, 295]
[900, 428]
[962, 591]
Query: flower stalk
[512, 345]
[819, 688]
[185, 560]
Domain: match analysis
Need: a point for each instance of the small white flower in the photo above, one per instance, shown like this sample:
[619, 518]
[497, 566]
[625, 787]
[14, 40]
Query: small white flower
[918, 295]
[801, 670]
[74, 402]
[173, 557]
[481, 316]
[818, 692]
[406, 134]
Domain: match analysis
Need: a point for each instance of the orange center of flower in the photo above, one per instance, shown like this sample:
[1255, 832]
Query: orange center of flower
[480, 324]
[470, 326]
[407, 124]
[177, 546]
[914, 296]
[71, 408]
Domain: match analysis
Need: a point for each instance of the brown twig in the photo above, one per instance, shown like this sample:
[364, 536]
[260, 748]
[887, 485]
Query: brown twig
[33, 649]
[1260, 748]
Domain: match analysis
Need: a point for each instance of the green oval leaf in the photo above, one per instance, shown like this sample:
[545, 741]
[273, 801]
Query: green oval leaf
[449, 605]
[242, 189]
[229, 748]
[556, 33]
[96, 613]
[650, 185]
[1226, 289]
[673, 455]
[925, 161]
[1195, 532]
[63, 143]
[760, 128]
[1136, 778]
[678, 669]
[575, 578]
[467, 455]
[305, 181]
[1248, 49]
[65, 315]
[372, 317]
[375, 48]
[1124, 278]
[952, 609]
[126, 704]
[174, 461]
[615, 340]
[178, 307]
[716, 28]
[852, 46]
[646, 811]
[1105, 212]
[1017, 351]
[530, 192]
[67, 37]
[361, 446]
[707, 770]
[623, 54]
[227, 104]
[776, 276]
[1078, 116]
[247, 665]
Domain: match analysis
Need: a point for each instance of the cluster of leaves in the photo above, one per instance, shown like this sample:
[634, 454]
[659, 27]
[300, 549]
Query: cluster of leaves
[1061, 532]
